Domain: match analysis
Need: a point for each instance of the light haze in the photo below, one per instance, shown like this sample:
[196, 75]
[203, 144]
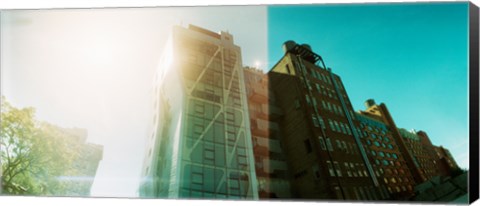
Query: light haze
[93, 69]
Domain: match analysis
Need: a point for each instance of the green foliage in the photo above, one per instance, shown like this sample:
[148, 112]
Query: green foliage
[33, 154]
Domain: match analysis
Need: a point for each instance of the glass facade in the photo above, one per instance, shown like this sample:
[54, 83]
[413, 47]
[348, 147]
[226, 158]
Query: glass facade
[209, 139]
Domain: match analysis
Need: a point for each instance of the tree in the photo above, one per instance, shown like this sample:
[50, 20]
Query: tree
[34, 155]
[17, 130]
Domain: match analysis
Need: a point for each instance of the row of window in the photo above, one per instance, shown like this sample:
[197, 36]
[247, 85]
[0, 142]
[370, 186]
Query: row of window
[374, 128]
[352, 169]
[387, 162]
[326, 144]
[395, 180]
[384, 154]
[397, 189]
[333, 108]
[379, 137]
[342, 145]
[378, 144]
[320, 76]
[339, 127]
[325, 91]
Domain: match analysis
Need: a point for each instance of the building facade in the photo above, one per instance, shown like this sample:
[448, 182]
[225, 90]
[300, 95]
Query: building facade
[270, 163]
[200, 145]
[446, 162]
[322, 142]
[221, 130]
[385, 156]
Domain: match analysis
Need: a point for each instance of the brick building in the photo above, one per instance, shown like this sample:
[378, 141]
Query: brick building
[324, 151]
[270, 164]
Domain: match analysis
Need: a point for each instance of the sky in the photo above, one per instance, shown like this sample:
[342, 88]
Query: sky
[93, 69]
[412, 57]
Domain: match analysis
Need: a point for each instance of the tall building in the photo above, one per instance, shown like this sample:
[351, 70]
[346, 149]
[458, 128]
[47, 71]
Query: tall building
[270, 163]
[325, 154]
[200, 146]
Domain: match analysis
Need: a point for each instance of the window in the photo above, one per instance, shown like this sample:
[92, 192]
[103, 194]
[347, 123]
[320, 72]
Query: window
[197, 178]
[348, 130]
[345, 146]
[322, 123]
[381, 154]
[336, 126]
[197, 129]
[329, 144]
[330, 169]
[334, 109]
[199, 108]
[354, 171]
[339, 144]
[343, 128]
[288, 69]
[307, 98]
[315, 121]
[394, 156]
[374, 153]
[337, 168]
[332, 127]
[322, 143]
[385, 162]
[376, 143]
[357, 166]
[349, 173]
[353, 148]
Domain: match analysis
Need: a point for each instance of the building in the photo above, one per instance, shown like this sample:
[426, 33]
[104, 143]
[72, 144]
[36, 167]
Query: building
[385, 155]
[423, 159]
[200, 146]
[446, 163]
[325, 154]
[225, 131]
[77, 179]
[270, 162]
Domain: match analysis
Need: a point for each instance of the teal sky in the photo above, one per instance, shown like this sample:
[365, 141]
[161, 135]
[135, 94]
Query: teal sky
[412, 57]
